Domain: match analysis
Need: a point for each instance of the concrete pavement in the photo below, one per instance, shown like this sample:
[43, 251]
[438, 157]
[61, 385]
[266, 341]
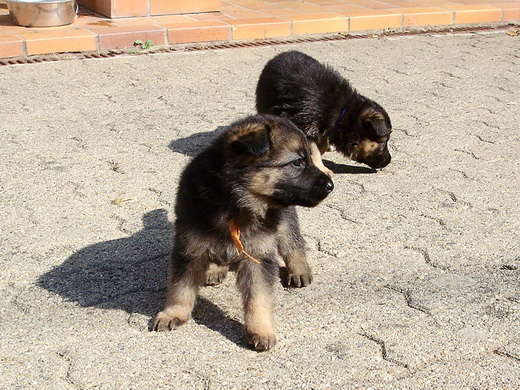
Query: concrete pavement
[417, 267]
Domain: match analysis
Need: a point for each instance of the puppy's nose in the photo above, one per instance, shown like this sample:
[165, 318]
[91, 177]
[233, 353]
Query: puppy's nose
[329, 186]
[326, 183]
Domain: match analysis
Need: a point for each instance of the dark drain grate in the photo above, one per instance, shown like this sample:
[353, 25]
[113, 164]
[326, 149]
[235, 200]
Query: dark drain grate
[248, 44]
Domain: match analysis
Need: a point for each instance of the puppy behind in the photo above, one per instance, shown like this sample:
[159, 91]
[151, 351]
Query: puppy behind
[235, 208]
[324, 105]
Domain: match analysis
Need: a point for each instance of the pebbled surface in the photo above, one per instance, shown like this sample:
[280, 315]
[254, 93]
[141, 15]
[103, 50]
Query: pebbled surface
[416, 267]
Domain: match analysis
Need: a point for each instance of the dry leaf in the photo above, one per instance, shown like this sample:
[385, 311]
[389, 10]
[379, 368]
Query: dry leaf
[118, 201]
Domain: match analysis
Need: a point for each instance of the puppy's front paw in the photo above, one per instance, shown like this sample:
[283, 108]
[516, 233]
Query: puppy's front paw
[167, 320]
[261, 341]
[298, 276]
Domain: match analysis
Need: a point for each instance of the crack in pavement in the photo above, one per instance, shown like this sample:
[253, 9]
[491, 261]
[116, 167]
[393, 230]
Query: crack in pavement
[65, 356]
[464, 174]
[342, 213]
[506, 354]
[427, 258]
[121, 224]
[408, 299]
[384, 350]
[453, 197]
[440, 221]
[472, 154]
[159, 194]
[484, 140]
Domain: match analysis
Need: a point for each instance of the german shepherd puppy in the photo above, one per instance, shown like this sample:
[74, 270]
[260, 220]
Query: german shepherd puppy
[325, 106]
[235, 209]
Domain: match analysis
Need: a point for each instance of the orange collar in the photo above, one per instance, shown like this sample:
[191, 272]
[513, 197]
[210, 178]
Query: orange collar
[234, 230]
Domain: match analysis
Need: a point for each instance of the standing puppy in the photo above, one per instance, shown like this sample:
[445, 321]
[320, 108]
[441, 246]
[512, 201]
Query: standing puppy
[235, 208]
[328, 110]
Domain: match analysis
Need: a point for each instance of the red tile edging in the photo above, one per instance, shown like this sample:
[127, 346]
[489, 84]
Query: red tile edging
[235, 22]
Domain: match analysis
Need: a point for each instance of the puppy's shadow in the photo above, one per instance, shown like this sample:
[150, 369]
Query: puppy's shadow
[130, 274]
[348, 169]
[193, 144]
[124, 274]
[208, 314]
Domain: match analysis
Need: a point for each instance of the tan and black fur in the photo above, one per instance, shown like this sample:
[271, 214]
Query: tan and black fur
[325, 106]
[250, 177]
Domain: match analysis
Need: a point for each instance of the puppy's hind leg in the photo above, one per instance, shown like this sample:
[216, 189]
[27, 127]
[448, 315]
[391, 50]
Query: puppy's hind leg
[256, 283]
[184, 281]
[316, 159]
[291, 247]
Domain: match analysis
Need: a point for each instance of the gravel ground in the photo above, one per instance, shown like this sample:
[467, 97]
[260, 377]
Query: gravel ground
[417, 266]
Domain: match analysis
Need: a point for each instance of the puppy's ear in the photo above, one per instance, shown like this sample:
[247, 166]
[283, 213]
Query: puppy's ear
[255, 142]
[375, 119]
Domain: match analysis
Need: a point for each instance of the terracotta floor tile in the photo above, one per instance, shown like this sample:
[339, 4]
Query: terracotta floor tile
[260, 28]
[434, 3]
[240, 12]
[439, 4]
[172, 19]
[318, 23]
[327, 3]
[510, 12]
[198, 31]
[476, 14]
[210, 16]
[8, 28]
[282, 12]
[374, 20]
[257, 5]
[135, 22]
[369, 4]
[58, 40]
[82, 20]
[427, 17]
[303, 7]
[474, 2]
[159, 7]
[409, 4]
[11, 46]
[125, 36]
[346, 8]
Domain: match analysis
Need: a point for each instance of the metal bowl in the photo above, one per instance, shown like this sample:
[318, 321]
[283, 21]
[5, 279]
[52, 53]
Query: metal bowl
[42, 13]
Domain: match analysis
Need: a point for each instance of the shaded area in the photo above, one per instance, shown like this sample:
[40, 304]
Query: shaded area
[208, 314]
[193, 144]
[125, 274]
[350, 169]
[130, 274]
[6, 20]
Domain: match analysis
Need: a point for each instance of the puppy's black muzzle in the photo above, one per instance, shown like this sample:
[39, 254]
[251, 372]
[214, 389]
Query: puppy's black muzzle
[307, 190]
[322, 187]
[377, 161]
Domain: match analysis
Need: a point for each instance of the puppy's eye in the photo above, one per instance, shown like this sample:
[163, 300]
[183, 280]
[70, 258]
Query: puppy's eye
[298, 163]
